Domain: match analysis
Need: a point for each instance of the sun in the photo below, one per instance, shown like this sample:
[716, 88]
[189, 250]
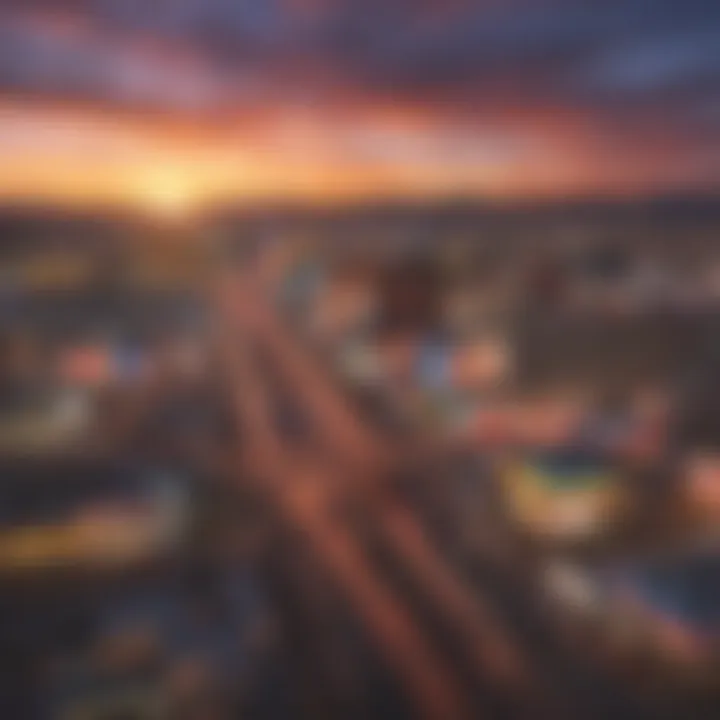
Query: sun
[167, 197]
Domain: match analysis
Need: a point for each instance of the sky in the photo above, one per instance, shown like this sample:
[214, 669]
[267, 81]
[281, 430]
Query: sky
[179, 102]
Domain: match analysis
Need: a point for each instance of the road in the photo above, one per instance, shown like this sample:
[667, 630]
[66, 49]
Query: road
[458, 648]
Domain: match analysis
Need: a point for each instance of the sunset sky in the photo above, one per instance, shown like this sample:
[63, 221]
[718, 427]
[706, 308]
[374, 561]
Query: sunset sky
[176, 103]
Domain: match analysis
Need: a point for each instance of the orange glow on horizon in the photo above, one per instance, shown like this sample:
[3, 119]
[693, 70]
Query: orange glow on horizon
[84, 156]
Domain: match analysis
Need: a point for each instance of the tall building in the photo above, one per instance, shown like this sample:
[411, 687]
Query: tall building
[411, 296]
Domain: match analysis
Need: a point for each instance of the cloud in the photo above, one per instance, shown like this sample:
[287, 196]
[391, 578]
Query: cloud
[623, 81]
[70, 55]
[572, 52]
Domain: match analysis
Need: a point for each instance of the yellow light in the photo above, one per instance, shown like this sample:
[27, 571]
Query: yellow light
[167, 197]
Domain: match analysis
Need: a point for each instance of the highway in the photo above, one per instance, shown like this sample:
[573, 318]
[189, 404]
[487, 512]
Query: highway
[462, 640]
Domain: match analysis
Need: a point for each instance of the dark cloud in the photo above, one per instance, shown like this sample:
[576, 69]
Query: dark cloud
[628, 62]
[623, 46]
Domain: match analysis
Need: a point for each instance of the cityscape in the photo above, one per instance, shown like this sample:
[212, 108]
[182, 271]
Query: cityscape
[358, 360]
